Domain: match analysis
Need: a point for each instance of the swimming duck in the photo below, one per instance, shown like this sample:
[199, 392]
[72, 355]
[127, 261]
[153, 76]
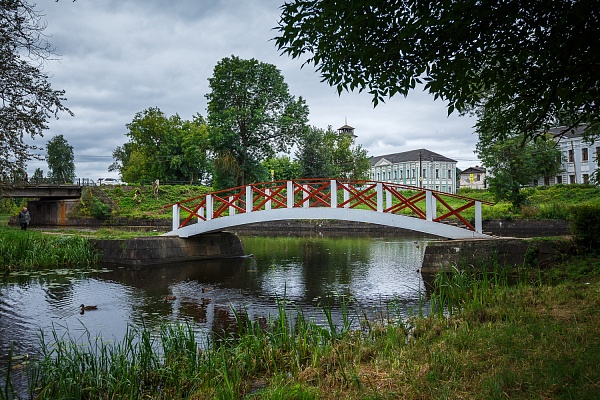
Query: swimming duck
[88, 308]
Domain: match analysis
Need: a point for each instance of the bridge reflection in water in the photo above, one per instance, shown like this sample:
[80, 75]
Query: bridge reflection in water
[400, 206]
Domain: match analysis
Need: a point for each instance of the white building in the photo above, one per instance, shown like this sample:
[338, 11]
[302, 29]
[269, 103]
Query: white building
[579, 159]
[473, 177]
[421, 168]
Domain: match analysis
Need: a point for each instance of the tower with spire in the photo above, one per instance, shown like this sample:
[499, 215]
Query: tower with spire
[347, 130]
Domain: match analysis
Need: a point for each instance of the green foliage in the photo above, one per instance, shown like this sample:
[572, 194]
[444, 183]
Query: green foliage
[529, 61]
[512, 163]
[30, 250]
[60, 159]
[252, 116]
[585, 225]
[99, 210]
[38, 175]
[283, 169]
[326, 153]
[169, 149]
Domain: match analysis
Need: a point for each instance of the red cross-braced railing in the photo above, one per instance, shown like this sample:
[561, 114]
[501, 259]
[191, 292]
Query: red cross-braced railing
[382, 197]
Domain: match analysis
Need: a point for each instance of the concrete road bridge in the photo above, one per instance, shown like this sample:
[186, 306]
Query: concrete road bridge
[400, 206]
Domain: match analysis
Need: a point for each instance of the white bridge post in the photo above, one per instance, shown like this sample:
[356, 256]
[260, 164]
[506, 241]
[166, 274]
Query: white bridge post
[231, 208]
[209, 207]
[478, 223]
[430, 206]
[249, 201]
[268, 203]
[346, 196]
[290, 194]
[175, 224]
[333, 191]
[388, 199]
[305, 195]
[379, 197]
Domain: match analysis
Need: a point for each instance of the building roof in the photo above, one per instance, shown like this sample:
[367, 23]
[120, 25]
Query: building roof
[412, 155]
[563, 131]
[474, 170]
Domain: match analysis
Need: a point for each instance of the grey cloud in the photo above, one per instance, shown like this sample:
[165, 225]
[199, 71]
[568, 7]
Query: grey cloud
[121, 57]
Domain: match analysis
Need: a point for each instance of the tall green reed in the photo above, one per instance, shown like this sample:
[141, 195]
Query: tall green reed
[29, 250]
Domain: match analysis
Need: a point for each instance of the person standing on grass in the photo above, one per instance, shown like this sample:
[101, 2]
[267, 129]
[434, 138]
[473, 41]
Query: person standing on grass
[23, 218]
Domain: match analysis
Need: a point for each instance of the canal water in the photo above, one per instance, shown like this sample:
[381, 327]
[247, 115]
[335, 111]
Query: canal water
[371, 276]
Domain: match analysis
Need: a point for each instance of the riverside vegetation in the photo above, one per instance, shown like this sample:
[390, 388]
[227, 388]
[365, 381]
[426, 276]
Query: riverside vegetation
[487, 332]
[503, 333]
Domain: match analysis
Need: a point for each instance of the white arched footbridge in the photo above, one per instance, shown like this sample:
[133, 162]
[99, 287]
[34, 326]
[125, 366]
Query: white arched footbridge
[400, 206]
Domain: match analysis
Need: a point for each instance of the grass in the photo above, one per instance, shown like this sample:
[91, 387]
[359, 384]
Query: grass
[31, 250]
[524, 334]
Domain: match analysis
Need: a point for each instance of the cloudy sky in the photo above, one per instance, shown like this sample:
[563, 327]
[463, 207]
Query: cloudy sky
[120, 57]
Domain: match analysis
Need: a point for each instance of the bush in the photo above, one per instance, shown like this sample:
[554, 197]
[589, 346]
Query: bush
[99, 210]
[585, 225]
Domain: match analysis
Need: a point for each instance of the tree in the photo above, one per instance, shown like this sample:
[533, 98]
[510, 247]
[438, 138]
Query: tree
[60, 159]
[326, 153]
[535, 60]
[282, 167]
[27, 99]
[166, 148]
[511, 164]
[252, 116]
[38, 175]
[313, 155]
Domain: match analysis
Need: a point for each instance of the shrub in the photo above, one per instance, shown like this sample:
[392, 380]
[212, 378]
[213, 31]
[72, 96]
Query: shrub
[585, 225]
[99, 210]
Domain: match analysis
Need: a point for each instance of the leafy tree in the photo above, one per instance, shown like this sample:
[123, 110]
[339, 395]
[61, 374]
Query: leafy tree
[60, 159]
[27, 99]
[313, 155]
[283, 168]
[252, 116]
[38, 175]
[165, 148]
[511, 164]
[534, 60]
[326, 153]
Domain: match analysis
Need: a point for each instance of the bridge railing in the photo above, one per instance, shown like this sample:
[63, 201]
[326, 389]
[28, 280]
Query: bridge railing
[383, 197]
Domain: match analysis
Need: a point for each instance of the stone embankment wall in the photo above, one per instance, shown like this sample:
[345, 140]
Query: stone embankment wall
[446, 254]
[527, 228]
[155, 250]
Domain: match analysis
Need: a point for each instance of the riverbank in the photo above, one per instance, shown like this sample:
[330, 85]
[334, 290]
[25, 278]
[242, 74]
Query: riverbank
[509, 333]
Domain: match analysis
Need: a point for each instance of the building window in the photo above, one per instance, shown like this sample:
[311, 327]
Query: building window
[424, 173]
[478, 177]
[547, 181]
[437, 174]
[586, 178]
[449, 173]
[571, 156]
[414, 173]
[584, 154]
[571, 179]
[559, 180]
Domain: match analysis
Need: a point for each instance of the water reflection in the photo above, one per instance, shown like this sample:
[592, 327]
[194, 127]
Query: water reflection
[305, 271]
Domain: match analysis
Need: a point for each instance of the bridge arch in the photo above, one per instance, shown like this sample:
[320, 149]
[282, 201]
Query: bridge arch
[382, 203]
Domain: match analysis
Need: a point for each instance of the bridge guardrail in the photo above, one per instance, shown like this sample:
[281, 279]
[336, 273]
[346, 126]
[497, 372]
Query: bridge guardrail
[383, 197]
